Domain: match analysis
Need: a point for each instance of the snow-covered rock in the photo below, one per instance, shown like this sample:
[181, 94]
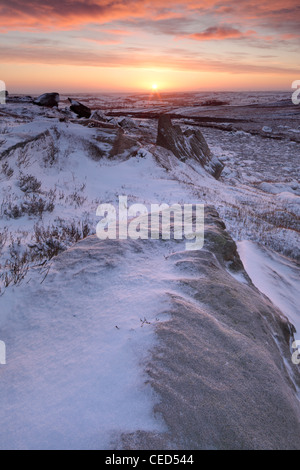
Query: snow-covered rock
[267, 129]
[126, 123]
[80, 109]
[49, 100]
[187, 145]
[99, 116]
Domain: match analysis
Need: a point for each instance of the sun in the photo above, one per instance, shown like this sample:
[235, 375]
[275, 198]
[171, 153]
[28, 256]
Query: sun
[154, 86]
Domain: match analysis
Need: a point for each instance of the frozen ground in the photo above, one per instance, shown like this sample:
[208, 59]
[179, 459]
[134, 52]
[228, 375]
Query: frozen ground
[80, 327]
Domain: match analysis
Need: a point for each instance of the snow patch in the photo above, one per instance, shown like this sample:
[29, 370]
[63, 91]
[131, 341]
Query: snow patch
[276, 276]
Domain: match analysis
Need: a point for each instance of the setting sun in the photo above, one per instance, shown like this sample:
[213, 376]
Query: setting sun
[154, 86]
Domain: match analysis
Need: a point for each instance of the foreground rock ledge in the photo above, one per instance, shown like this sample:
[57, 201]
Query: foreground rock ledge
[223, 367]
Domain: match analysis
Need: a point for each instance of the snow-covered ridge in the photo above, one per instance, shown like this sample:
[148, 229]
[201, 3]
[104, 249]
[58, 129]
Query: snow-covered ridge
[140, 344]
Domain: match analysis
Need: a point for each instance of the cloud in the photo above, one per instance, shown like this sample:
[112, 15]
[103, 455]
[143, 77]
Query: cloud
[122, 23]
[67, 14]
[218, 33]
[118, 32]
[105, 42]
[135, 57]
[169, 26]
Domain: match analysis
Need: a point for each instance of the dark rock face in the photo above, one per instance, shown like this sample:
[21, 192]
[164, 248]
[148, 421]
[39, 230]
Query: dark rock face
[80, 109]
[49, 100]
[188, 144]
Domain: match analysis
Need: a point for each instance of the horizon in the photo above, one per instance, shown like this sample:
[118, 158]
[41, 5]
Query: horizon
[126, 47]
[147, 92]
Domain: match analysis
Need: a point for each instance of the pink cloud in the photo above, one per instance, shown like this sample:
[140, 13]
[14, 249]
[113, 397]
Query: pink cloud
[66, 14]
[119, 32]
[276, 20]
[106, 42]
[218, 33]
[135, 58]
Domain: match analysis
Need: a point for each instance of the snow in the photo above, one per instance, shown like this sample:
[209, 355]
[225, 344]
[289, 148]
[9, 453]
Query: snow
[291, 202]
[277, 188]
[276, 276]
[78, 336]
[267, 129]
[77, 345]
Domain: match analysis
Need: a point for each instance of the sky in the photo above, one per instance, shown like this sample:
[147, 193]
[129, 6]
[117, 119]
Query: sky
[130, 45]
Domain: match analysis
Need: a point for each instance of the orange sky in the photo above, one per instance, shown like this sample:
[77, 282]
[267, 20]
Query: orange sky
[115, 45]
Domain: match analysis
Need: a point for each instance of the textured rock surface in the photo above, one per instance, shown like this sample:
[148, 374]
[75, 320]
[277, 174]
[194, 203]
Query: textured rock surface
[223, 367]
[99, 115]
[124, 145]
[188, 144]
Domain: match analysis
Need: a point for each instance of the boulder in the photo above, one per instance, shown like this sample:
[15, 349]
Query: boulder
[99, 115]
[80, 109]
[188, 144]
[127, 123]
[49, 100]
[124, 145]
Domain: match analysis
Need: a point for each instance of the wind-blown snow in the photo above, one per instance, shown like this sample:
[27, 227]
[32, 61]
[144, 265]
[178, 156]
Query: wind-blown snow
[77, 345]
[276, 276]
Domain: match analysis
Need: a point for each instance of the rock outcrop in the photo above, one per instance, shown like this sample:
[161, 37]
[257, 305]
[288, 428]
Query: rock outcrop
[127, 123]
[99, 115]
[49, 100]
[222, 367]
[80, 109]
[188, 144]
[124, 145]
